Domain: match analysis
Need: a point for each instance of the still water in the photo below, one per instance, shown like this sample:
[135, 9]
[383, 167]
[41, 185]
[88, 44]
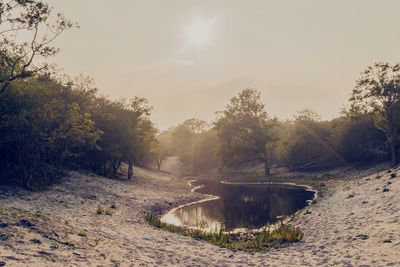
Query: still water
[240, 206]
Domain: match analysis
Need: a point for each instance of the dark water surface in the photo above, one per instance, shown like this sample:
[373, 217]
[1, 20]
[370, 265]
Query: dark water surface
[240, 206]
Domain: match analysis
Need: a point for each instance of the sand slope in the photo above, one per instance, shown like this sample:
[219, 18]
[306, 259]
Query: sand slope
[340, 230]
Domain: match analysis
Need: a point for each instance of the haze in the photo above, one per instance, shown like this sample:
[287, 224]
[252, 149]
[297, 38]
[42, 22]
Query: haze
[190, 57]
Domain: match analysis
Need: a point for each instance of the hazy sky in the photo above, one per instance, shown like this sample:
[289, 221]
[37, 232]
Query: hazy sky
[190, 57]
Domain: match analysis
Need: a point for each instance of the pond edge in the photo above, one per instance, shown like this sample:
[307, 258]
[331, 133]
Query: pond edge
[240, 230]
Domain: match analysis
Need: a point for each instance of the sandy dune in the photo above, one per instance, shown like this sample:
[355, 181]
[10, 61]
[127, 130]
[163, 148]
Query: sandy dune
[356, 223]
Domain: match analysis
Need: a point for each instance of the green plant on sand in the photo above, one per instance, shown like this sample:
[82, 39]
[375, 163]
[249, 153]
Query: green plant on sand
[253, 241]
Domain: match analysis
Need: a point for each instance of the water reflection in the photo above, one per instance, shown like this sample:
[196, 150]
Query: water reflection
[240, 206]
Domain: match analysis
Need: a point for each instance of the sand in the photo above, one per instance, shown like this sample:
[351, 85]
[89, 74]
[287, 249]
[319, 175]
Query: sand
[355, 223]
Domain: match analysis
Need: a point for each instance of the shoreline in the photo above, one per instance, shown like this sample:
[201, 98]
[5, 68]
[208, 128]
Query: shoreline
[285, 219]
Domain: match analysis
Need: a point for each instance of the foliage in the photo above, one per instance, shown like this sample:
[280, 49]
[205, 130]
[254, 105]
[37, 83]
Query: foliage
[47, 126]
[255, 240]
[162, 148]
[34, 21]
[378, 92]
[245, 131]
[306, 143]
[103, 211]
[193, 142]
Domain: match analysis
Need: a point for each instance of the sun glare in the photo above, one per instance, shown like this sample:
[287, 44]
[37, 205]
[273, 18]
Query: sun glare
[199, 33]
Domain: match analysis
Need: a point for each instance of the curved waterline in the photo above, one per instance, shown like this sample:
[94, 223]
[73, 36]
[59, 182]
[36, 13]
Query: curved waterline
[211, 220]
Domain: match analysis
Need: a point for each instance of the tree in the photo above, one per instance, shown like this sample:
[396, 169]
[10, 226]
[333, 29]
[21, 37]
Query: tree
[162, 148]
[245, 131]
[184, 138]
[378, 92]
[306, 143]
[27, 31]
[359, 141]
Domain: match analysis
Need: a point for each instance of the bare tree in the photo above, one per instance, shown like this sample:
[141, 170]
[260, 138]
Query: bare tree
[27, 30]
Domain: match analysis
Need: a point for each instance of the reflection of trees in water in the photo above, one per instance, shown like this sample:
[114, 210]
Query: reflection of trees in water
[203, 215]
[243, 206]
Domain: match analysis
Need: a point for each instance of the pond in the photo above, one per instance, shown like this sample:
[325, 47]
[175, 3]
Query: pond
[236, 206]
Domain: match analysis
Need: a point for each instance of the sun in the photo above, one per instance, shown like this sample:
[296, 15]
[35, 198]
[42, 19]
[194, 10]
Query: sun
[199, 33]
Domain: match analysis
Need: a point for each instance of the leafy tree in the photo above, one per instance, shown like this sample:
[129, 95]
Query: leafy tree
[306, 143]
[204, 152]
[378, 92]
[47, 125]
[184, 138]
[245, 131]
[359, 141]
[33, 20]
[162, 149]
[127, 136]
[40, 131]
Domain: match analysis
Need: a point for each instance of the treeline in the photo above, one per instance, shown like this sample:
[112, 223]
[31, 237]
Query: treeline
[367, 132]
[47, 125]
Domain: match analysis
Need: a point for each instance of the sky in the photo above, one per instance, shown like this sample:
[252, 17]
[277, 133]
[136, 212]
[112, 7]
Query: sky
[188, 57]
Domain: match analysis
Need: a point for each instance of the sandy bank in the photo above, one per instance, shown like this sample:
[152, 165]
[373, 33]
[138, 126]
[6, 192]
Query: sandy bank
[357, 222]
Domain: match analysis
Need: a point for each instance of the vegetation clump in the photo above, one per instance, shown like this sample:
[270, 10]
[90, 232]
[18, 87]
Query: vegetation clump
[102, 211]
[82, 233]
[250, 241]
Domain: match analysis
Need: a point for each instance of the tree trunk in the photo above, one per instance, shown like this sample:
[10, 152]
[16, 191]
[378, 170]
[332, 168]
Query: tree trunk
[130, 170]
[159, 164]
[267, 171]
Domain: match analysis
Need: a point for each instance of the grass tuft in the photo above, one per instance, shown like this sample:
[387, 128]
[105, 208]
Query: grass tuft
[82, 233]
[2, 209]
[102, 211]
[250, 241]
[39, 212]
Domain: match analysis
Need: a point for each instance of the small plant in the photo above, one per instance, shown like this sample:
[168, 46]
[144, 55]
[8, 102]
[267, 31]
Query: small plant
[66, 222]
[108, 212]
[97, 241]
[39, 212]
[351, 195]
[2, 209]
[55, 245]
[67, 230]
[82, 202]
[102, 211]
[82, 232]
